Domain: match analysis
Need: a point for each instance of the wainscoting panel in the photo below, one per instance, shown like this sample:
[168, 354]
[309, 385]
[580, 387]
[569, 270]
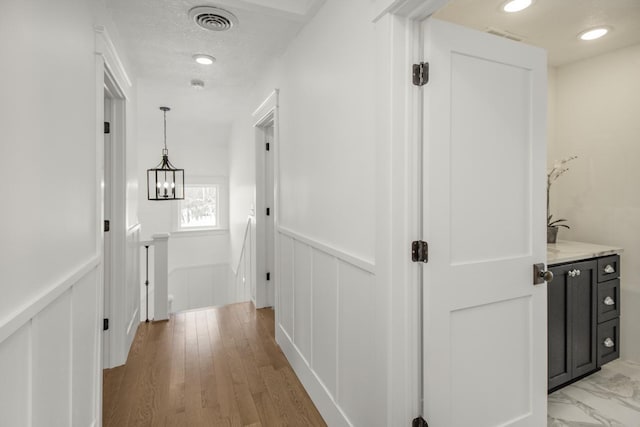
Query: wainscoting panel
[86, 330]
[52, 364]
[330, 331]
[15, 371]
[302, 299]
[285, 285]
[325, 318]
[132, 292]
[360, 383]
[200, 286]
[49, 355]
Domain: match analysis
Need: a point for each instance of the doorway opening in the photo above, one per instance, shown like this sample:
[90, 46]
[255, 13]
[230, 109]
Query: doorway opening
[106, 207]
[266, 133]
[113, 228]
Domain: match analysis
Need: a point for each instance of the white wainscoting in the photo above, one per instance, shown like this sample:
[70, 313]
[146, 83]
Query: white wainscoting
[330, 331]
[200, 286]
[49, 355]
[132, 291]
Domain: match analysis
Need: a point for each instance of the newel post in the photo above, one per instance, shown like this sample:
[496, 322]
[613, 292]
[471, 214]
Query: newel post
[161, 275]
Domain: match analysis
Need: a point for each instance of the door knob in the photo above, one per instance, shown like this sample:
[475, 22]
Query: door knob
[608, 343]
[609, 301]
[540, 275]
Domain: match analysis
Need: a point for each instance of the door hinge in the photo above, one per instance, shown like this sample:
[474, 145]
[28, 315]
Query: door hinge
[268, 276]
[419, 422]
[107, 127]
[106, 225]
[105, 324]
[267, 144]
[268, 211]
[421, 74]
[419, 251]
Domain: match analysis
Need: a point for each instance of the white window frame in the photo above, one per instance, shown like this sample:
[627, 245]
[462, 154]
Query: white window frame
[222, 184]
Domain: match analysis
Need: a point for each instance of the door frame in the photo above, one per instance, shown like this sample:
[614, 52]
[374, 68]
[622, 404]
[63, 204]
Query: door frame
[116, 312]
[399, 142]
[266, 116]
[111, 75]
[399, 196]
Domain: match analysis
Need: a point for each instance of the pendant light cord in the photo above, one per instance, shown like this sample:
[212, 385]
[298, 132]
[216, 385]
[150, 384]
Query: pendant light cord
[165, 129]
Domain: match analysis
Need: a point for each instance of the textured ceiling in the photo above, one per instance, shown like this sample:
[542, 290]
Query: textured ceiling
[554, 24]
[161, 39]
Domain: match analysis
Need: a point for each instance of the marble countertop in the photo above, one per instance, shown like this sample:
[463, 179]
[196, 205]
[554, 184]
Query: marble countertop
[567, 251]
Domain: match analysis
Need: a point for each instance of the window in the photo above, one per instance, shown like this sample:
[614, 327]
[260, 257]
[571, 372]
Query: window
[203, 206]
[199, 209]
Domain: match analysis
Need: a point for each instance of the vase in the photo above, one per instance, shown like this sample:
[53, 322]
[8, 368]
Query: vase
[552, 234]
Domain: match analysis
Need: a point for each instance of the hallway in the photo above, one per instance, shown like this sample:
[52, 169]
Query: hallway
[218, 366]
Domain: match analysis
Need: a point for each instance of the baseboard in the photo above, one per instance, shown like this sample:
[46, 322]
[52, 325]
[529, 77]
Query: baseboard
[319, 394]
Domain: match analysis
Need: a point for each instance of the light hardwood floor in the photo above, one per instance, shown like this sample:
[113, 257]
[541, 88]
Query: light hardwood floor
[212, 367]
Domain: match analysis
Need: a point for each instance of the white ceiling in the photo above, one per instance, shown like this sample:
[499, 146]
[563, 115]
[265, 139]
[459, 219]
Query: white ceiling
[161, 38]
[554, 24]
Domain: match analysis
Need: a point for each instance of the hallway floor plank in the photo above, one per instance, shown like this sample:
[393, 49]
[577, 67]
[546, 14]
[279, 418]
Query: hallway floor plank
[213, 367]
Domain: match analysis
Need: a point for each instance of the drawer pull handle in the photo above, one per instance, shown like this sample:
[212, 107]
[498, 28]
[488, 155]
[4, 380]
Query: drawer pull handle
[609, 343]
[609, 301]
[609, 269]
[577, 272]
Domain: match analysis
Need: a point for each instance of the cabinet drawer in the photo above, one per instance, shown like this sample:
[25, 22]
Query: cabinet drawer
[608, 268]
[608, 341]
[608, 300]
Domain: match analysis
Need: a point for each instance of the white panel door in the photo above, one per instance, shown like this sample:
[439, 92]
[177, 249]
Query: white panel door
[485, 353]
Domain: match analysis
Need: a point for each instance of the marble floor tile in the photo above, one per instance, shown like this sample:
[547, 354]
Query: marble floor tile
[610, 397]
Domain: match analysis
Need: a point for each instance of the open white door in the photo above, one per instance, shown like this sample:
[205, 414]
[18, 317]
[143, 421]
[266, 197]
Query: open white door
[108, 164]
[485, 352]
[270, 246]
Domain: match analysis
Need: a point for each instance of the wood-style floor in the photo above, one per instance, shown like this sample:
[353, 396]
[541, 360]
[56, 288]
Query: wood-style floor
[213, 367]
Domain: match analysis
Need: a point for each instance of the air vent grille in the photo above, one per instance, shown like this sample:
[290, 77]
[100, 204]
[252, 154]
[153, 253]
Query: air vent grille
[213, 18]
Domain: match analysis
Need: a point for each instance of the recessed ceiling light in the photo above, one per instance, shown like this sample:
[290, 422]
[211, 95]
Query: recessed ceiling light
[204, 59]
[516, 5]
[197, 84]
[594, 33]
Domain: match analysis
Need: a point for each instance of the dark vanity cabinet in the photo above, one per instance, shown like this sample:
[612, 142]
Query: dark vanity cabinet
[583, 318]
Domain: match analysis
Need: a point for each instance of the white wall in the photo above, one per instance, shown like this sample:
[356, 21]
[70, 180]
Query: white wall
[331, 323]
[597, 104]
[50, 254]
[197, 139]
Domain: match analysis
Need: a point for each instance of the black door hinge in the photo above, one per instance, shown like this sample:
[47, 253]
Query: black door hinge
[419, 422]
[419, 251]
[268, 276]
[421, 74]
[105, 324]
[107, 127]
[268, 211]
[267, 146]
[106, 225]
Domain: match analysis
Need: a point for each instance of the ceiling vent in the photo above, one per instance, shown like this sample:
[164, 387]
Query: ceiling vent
[213, 18]
[505, 34]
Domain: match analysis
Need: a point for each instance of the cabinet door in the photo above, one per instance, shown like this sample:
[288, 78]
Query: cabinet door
[583, 291]
[559, 326]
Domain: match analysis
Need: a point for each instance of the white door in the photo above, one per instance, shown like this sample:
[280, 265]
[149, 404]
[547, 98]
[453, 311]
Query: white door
[269, 220]
[106, 339]
[485, 352]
